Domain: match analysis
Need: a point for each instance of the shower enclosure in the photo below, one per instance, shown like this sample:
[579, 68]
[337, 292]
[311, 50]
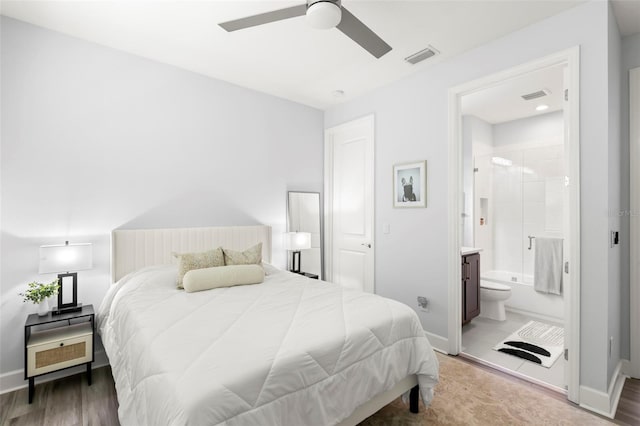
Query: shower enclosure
[518, 197]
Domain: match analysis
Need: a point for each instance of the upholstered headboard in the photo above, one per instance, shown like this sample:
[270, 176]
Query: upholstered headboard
[132, 249]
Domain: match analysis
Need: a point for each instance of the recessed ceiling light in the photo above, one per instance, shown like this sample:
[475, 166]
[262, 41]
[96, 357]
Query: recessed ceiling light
[542, 107]
[338, 93]
[501, 161]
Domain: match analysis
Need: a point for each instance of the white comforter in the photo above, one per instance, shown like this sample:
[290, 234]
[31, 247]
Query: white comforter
[289, 351]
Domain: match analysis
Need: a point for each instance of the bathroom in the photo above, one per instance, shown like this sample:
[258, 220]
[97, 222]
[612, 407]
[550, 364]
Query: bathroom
[515, 217]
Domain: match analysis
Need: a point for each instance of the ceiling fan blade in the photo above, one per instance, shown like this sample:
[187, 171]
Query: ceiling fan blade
[353, 28]
[264, 18]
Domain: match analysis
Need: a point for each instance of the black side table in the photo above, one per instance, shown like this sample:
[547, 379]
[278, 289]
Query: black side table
[58, 342]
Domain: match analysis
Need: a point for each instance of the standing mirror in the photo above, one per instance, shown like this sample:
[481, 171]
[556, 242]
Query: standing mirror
[303, 215]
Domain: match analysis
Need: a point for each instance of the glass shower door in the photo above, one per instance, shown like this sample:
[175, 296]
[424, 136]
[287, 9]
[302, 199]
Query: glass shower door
[542, 188]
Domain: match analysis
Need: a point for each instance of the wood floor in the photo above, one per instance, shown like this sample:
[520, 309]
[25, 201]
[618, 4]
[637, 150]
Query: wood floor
[64, 402]
[629, 405]
[69, 402]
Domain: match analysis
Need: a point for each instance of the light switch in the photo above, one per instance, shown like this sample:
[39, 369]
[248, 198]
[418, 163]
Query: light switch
[386, 228]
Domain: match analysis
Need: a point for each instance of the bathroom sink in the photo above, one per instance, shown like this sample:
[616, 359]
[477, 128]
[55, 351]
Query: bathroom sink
[469, 250]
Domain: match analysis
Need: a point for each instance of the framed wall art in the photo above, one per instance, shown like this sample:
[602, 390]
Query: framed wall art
[410, 184]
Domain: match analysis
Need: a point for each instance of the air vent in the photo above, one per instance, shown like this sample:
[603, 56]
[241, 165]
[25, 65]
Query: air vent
[536, 95]
[421, 55]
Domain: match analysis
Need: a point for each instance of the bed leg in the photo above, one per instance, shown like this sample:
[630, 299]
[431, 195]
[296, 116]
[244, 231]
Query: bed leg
[414, 396]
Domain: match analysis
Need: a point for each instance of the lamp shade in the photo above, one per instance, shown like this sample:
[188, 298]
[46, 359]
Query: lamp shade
[323, 15]
[65, 258]
[297, 240]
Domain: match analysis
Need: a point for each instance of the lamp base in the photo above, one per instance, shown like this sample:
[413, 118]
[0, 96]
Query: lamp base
[66, 310]
[294, 268]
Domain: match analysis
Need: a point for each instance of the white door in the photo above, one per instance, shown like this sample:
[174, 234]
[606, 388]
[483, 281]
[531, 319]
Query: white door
[349, 184]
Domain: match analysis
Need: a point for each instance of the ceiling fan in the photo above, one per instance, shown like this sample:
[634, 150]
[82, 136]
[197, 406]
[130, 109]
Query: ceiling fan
[321, 14]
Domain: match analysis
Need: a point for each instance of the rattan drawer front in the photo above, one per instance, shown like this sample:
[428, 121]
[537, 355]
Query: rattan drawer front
[56, 355]
[60, 354]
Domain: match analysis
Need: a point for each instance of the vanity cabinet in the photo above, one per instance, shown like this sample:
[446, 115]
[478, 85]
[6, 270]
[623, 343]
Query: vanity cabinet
[470, 287]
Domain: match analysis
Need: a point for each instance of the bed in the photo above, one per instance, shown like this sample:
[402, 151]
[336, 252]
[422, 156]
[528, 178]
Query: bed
[288, 351]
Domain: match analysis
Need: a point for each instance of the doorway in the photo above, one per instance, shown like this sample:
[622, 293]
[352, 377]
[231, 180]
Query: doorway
[515, 190]
[349, 201]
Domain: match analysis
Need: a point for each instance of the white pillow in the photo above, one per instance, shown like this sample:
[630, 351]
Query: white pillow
[222, 276]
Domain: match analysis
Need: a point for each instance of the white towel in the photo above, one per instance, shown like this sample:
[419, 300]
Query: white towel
[547, 273]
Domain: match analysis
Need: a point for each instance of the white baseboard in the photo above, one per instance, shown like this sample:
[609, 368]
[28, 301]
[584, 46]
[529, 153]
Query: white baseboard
[14, 380]
[534, 315]
[439, 343]
[604, 403]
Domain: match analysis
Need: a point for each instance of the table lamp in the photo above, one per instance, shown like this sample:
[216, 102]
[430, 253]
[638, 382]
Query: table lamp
[296, 241]
[64, 258]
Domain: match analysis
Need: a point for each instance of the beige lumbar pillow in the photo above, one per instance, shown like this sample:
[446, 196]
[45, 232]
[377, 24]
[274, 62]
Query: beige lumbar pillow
[251, 256]
[222, 276]
[191, 261]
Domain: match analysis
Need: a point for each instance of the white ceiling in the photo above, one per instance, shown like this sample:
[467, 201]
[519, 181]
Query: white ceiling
[627, 13]
[504, 102]
[286, 58]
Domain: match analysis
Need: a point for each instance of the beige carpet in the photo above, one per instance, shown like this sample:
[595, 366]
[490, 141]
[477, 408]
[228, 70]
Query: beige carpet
[468, 395]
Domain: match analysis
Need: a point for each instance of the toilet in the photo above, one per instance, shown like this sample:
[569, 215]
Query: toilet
[492, 298]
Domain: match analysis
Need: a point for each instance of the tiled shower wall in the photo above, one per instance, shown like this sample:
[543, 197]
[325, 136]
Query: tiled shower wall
[523, 181]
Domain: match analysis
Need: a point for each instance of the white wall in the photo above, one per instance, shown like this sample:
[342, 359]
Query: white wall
[541, 129]
[467, 181]
[411, 124]
[630, 58]
[94, 139]
[477, 137]
[615, 186]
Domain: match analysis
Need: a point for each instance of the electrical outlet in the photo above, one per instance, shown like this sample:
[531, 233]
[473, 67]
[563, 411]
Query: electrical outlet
[423, 304]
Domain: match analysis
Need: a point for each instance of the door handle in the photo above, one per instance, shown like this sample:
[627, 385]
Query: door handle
[366, 244]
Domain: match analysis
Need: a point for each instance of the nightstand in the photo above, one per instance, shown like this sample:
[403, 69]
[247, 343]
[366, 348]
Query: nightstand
[56, 342]
[308, 275]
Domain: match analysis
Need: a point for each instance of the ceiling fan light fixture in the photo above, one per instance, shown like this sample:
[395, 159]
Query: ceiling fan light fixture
[323, 14]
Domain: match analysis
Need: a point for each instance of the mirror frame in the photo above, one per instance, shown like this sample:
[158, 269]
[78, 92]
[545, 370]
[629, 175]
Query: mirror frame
[320, 218]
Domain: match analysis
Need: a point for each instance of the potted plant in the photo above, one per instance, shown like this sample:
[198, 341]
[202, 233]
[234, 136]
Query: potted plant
[38, 293]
